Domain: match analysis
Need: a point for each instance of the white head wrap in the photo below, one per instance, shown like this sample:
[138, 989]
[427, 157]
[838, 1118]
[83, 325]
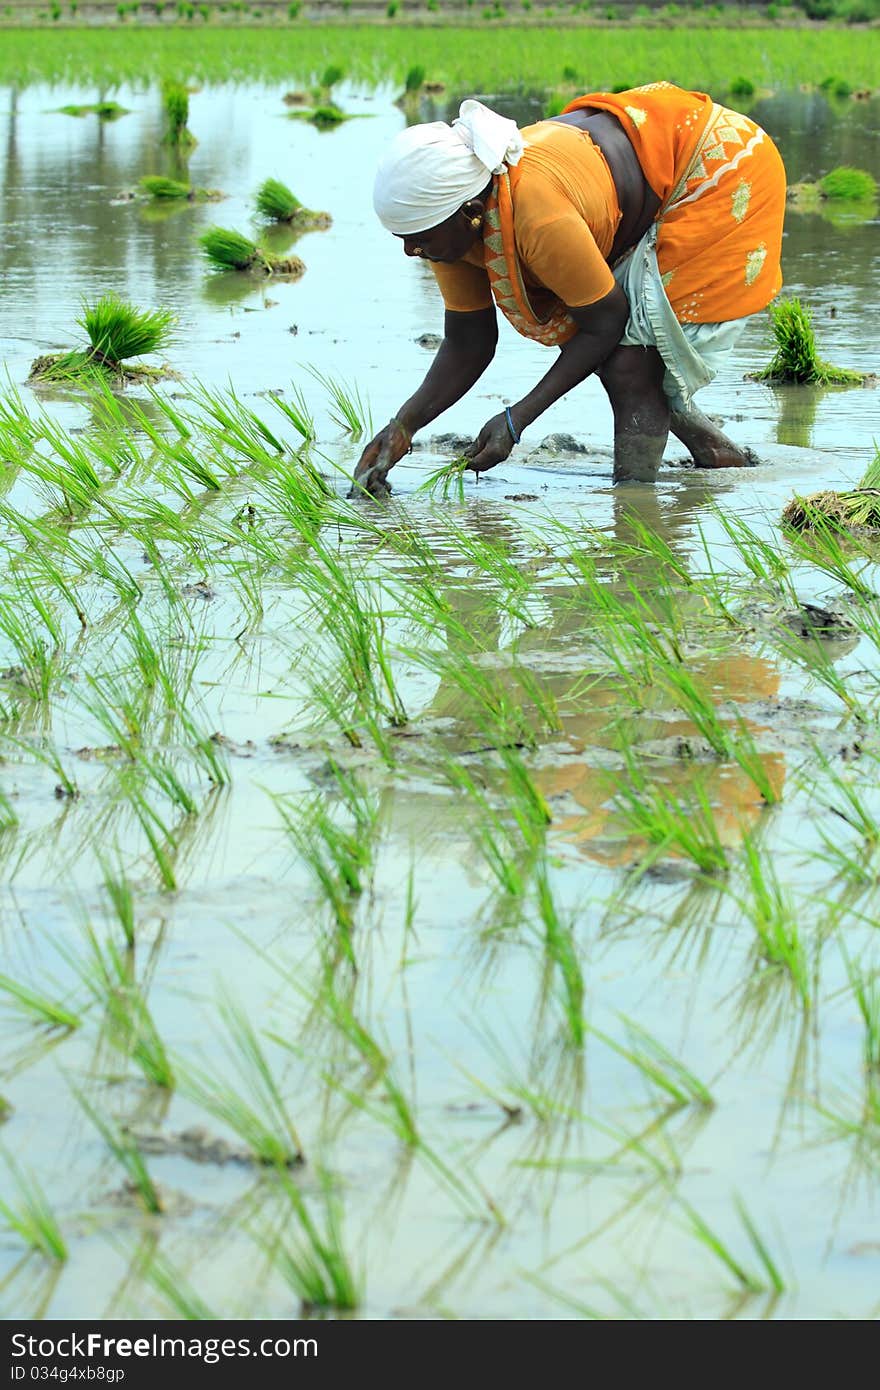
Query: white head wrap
[430, 170]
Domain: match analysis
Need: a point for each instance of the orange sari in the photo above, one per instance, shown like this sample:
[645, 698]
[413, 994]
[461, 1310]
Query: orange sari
[722, 189]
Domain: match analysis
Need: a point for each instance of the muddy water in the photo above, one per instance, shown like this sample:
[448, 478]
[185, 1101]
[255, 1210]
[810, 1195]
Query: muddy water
[594, 1176]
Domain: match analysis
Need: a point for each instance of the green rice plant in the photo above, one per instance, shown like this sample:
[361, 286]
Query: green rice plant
[332, 74]
[338, 858]
[767, 906]
[823, 547]
[104, 110]
[824, 513]
[811, 654]
[747, 1279]
[560, 946]
[848, 184]
[108, 975]
[170, 1283]
[158, 835]
[347, 408]
[159, 186]
[31, 627]
[175, 107]
[658, 1065]
[231, 250]
[29, 1213]
[315, 1264]
[257, 1112]
[446, 481]
[492, 832]
[797, 358]
[8, 817]
[682, 825]
[838, 794]
[866, 991]
[297, 412]
[38, 1008]
[125, 1150]
[762, 558]
[116, 331]
[414, 80]
[326, 116]
[277, 203]
[121, 895]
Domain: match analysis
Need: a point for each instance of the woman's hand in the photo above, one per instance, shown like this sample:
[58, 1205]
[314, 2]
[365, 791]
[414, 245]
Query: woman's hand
[492, 445]
[378, 458]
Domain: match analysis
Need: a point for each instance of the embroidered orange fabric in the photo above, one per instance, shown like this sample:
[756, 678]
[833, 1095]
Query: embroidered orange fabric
[722, 190]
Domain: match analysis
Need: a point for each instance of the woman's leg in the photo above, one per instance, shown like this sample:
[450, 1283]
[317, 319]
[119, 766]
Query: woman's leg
[709, 447]
[633, 378]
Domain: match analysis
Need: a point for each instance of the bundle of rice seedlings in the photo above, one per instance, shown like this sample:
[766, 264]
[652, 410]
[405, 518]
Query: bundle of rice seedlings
[414, 80]
[277, 202]
[333, 73]
[175, 103]
[158, 186]
[165, 190]
[857, 509]
[797, 358]
[116, 331]
[848, 184]
[230, 250]
[325, 117]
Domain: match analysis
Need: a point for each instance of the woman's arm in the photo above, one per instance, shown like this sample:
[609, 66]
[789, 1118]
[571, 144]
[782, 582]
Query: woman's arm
[467, 348]
[600, 328]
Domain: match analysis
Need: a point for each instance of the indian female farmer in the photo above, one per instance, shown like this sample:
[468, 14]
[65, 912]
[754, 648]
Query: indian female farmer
[635, 233]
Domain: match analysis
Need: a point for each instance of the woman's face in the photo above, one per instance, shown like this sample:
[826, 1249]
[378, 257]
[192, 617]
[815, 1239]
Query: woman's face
[449, 240]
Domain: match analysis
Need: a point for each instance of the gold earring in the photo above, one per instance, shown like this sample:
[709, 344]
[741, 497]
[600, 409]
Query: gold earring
[417, 250]
[476, 222]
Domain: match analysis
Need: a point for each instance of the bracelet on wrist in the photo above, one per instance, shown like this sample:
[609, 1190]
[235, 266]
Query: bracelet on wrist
[510, 425]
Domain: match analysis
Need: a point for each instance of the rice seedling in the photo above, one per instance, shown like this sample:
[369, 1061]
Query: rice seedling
[658, 1065]
[446, 481]
[297, 412]
[797, 358]
[561, 948]
[823, 547]
[128, 1155]
[38, 1008]
[848, 184]
[866, 992]
[767, 906]
[762, 558]
[117, 331]
[28, 1213]
[277, 203]
[856, 509]
[167, 190]
[838, 794]
[492, 833]
[748, 1280]
[682, 825]
[337, 858]
[121, 895]
[178, 1293]
[347, 408]
[257, 1112]
[175, 109]
[108, 975]
[230, 250]
[315, 1263]
[104, 110]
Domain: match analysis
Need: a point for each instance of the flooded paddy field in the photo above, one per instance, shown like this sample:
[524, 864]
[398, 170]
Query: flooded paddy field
[461, 906]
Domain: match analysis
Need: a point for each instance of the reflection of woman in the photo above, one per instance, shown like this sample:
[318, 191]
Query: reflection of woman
[635, 232]
[591, 722]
